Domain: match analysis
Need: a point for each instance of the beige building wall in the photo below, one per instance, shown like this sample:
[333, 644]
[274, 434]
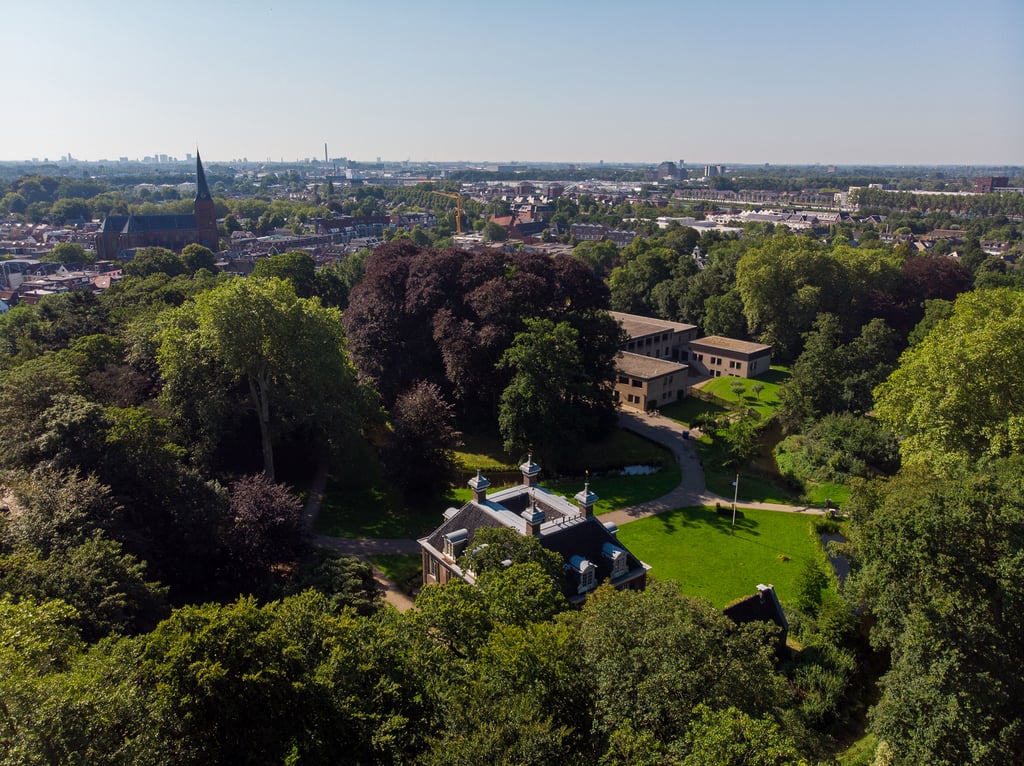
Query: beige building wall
[644, 383]
[716, 357]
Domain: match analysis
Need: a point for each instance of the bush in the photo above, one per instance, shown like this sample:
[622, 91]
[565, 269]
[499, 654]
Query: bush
[825, 526]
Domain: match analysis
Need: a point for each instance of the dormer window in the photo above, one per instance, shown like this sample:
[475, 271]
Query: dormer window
[617, 558]
[585, 573]
[455, 543]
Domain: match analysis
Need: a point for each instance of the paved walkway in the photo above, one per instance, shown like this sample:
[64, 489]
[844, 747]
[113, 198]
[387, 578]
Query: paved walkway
[363, 548]
[691, 491]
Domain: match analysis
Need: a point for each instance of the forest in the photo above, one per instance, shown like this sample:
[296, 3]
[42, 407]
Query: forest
[164, 601]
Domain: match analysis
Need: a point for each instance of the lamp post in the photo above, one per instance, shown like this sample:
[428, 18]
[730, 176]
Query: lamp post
[735, 496]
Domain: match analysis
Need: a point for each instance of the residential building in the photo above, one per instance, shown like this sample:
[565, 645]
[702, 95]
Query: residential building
[590, 550]
[645, 385]
[716, 356]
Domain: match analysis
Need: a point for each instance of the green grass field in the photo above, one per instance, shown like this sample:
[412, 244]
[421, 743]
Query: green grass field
[618, 449]
[372, 513]
[403, 569]
[696, 548]
[613, 492]
[765, 402]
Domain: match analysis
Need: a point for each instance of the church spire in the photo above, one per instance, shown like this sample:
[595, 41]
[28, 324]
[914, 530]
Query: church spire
[202, 189]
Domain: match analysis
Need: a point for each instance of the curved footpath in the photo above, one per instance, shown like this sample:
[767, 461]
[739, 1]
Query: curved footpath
[692, 491]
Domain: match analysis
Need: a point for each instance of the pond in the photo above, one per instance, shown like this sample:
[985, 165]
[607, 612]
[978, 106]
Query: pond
[640, 470]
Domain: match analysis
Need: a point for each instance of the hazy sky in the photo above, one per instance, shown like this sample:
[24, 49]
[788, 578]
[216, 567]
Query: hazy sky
[895, 82]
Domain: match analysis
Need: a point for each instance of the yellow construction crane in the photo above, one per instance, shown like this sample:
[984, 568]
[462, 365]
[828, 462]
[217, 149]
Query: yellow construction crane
[458, 208]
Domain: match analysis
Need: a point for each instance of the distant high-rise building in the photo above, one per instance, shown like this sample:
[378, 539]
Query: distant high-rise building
[987, 184]
[668, 170]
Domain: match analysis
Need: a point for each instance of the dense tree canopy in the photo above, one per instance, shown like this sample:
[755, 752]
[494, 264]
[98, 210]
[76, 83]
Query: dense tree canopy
[448, 317]
[787, 281]
[957, 394]
[553, 401]
[939, 567]
[283, 355]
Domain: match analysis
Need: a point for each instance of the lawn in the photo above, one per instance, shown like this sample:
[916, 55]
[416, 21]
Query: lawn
[816, 493]
[483, 451]
[616, 491]
[753, 487]
[613, 491]
[696, 548]
[372, 512]
[689, 409]
[765, 402]
[618, 449]
[403, 569]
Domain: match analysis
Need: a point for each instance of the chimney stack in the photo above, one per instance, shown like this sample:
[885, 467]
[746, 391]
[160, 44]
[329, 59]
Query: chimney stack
[530, 471]
[586, 500]
[479, 486]
[534, 518]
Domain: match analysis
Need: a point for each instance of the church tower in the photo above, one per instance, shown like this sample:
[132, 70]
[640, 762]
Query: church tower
[203, 209]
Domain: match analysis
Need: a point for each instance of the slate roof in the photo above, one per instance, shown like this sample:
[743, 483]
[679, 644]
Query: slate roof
[137, 224]
[202, 188]
[762, 606]
[471, 516]
[564, 529]
[113, 223]
[587, 538]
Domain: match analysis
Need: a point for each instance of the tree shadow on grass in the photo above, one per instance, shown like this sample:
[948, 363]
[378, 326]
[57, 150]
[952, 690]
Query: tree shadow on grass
[690, 408]
[694, 518]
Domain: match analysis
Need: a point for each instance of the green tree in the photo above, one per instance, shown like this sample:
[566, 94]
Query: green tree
[69, 253]
[653, 657]
[730, 737]
[286, 353]
[344, 580]
[521, 593]
[295, 266]
[36, 639]
[196, 257]
[937, 562]
[154, 260]
[551, 402]
[599, 256]
[107, 587]
[491, 547]
[724, 315]
[494, 232]
[787, 281]
[955, 394]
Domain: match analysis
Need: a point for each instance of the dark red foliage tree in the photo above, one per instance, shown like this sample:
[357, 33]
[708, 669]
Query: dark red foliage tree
[266, 522]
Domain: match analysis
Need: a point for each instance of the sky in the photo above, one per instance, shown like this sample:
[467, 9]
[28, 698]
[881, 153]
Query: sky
[907, 82]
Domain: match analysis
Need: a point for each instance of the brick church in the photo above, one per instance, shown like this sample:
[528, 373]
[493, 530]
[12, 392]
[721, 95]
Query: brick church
[129, 232]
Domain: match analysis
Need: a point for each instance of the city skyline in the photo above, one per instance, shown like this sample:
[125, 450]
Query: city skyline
[784, 83]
